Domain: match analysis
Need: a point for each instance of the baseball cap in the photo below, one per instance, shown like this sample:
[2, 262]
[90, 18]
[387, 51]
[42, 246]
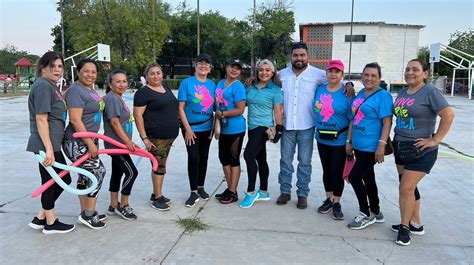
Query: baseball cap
[204, 57]
[234, 61]
[335, 64]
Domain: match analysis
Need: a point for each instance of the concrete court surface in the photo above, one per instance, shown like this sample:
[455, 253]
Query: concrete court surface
[264, 234]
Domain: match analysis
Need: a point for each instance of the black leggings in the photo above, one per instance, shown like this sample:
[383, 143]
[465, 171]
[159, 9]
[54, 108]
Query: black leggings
[255, 156]
[230, 147]
[122, 165]
[332, 159]
[49, 196]
[198, 154]
[362, 179]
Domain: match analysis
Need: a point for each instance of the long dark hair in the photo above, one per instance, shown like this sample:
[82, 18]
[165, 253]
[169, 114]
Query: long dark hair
[82, 62]
[110, 77]
[47, 60]
[424, 66]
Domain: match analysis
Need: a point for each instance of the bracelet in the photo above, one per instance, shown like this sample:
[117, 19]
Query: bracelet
[143, 138]
[385, 143]
[348, 141]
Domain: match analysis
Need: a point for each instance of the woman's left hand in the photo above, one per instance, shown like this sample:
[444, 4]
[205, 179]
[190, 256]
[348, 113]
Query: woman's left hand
[424, 143]
[379, 154]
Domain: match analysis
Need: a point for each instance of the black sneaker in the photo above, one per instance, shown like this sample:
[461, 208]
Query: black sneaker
[220, 195]
[193, 198]
[416, 231]
[37, 223]
[337, 211]
[126, 212]
[92, 221]
[57, 228]
[160, 204]
[111, 210]
[203, 194]
[403, 237]
[326, 206]
[153, 198]
[229, 198]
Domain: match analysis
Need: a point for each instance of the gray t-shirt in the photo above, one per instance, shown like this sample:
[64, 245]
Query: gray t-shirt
[416, 114]
[91, 104]
[115, 107]
[45, 98]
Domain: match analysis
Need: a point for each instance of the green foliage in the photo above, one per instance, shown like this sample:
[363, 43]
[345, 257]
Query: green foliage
[9, 55]
[191, 224]
[463, 41]
[173, 83]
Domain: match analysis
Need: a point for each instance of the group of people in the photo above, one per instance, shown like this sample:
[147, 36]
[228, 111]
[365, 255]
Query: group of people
[296, 105]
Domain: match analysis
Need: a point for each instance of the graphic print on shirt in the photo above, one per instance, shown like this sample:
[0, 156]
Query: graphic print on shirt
[401, 112]
[324, 106]
[356, 105]
[98, 115]
[60, 97]
[221, 101]
[203, 97]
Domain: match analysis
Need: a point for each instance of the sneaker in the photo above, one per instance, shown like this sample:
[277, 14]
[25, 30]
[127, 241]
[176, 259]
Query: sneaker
[379, 217]
[193, 198]
[249, 200]
[362, 221]
[57, 228]
[263, 196]
[403, 237]
[92, 222]
[126, 212]
[336, 211]
[416, 231]
[283, 199]
[111, 210]
[160, 204]
[101, 217]
[229, 198]
[326, 207]
[153, 198]
[220, 195]
[37, 223]
[203, 194]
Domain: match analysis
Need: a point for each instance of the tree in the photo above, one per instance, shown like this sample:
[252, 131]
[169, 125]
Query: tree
[463, 41]
[9, 55]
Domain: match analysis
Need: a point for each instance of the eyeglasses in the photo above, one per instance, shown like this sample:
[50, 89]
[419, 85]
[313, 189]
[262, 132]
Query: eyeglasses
[203, 64]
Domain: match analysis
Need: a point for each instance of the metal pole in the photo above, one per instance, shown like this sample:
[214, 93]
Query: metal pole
[452, 82]
[252, 55]
[198, 33]
[469, 82]
[154, 30]
[350, 43]
[62, 28]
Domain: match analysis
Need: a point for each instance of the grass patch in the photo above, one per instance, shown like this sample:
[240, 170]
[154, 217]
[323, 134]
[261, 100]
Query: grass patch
[191, 224]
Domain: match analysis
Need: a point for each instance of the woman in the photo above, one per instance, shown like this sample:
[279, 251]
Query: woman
[416, 108]
[367, 137]
[332, 108]
[118, 126]
[47, 120]
[85, 108]
[155, 109]
[230, 105]
[196, 102]
[265, 106]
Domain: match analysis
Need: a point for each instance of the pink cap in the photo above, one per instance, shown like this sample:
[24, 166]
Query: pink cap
[335, 64]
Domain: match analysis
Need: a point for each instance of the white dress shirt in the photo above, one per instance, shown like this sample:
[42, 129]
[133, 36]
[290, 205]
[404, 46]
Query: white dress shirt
[298, 96]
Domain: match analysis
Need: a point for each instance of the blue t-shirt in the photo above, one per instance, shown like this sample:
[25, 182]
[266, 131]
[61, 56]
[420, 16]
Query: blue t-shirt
[333, 113]
[226, 97]
[199, 99]
[260, 103]
[367, 124]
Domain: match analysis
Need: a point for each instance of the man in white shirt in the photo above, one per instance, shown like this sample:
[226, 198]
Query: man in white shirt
[299, 83]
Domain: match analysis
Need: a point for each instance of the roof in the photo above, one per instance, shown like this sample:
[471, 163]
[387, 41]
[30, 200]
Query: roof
[374, 23]
[23, 62]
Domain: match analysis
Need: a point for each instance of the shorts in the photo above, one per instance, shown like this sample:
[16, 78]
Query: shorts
[424, 164]
[160, 151]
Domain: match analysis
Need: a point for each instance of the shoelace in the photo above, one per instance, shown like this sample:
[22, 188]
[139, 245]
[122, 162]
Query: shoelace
[128, 209]
[360, 217]
[95, 219]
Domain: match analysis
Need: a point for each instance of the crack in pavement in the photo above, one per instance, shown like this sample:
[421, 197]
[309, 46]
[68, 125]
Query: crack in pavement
[358, 250]
[4, 204]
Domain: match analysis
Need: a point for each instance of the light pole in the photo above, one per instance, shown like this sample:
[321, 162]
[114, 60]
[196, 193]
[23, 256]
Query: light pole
[252, 55]
[62, 29]
[198, 33]
[350, 43]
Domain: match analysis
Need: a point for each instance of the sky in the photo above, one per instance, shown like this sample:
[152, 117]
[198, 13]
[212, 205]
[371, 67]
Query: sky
[26, 24]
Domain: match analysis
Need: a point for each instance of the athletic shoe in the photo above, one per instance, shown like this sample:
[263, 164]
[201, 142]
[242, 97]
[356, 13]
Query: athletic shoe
[37, 223]
[57, 228]
[362, 221]
[92, 221]
[337, 211]
[229, 198]
[153, 198]
[193, 198]
[283, 198]
[379, 217]
[111, 210]
[403, 237]
[220, 195]
[248, 200]
[263, 196]
[102, 217]
[126, 212]
[416, 231]
[203, 194]
[160, 204]
[326, 207]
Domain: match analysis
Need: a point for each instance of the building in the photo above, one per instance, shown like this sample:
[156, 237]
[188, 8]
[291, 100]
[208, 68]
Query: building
[390, 45]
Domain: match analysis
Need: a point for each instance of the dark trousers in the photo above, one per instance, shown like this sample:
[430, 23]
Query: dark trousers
[49, 196]
[362, 179]
[332, 159]
[122, 165]
[198, 154]
[255, 156]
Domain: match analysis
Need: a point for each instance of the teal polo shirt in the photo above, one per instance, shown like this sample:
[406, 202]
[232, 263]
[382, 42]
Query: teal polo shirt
[260, 103]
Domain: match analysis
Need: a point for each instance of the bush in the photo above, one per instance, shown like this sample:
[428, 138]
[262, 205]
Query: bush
[173, 83]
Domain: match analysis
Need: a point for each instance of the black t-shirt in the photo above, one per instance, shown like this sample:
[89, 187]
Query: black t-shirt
[161, 112]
